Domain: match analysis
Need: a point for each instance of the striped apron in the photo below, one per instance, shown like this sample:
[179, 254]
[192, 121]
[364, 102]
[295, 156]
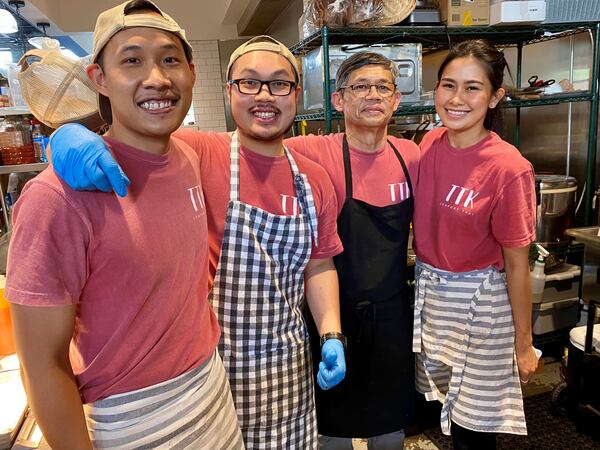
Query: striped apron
[192, 411]
[464, 338]
[258, 294]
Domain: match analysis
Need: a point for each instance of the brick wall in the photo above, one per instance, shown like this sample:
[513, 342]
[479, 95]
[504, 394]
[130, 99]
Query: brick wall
[208, 101]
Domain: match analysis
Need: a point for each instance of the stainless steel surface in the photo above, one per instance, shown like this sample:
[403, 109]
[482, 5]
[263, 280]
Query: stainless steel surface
[556, 210]
[406, 56]
[591, 260]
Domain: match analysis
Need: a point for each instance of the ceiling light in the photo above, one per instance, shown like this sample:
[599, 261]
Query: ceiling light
[8, 23]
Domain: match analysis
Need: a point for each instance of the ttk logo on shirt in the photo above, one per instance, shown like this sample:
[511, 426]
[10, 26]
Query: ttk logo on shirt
[197, 198]
[399, 192]
[460, 199]
[289, 205]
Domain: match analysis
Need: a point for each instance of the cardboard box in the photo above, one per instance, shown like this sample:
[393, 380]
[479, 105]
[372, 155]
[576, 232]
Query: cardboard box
[456, 13]
[519, 12]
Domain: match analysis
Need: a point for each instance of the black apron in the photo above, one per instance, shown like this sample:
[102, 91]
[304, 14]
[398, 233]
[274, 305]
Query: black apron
[377, 395]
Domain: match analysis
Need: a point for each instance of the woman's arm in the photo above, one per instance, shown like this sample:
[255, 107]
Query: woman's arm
[516, 264]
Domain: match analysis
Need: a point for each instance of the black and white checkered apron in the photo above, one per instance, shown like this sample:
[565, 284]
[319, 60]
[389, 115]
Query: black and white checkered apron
[257, 295]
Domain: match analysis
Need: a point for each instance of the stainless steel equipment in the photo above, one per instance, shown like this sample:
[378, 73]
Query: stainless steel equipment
[591, 260]
[406, 56]
[426, 12]
[556, 208]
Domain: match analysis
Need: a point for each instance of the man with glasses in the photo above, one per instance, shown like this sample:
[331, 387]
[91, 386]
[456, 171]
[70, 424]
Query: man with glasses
[372, 174]
[272, 235]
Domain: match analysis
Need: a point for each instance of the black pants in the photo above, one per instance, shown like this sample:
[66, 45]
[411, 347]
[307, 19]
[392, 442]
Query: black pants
[463, 439]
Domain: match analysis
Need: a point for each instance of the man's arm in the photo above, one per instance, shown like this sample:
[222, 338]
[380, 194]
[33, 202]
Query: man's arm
[42, 336]
[516, 264]
[322, 294]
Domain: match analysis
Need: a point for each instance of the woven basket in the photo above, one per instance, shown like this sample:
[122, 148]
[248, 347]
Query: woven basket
[56, 88]
[395, 11]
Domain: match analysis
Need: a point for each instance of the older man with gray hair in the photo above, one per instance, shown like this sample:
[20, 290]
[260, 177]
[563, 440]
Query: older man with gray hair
[372, 174]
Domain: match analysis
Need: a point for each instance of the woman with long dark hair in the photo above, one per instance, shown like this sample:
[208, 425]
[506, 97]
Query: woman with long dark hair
[474, 221]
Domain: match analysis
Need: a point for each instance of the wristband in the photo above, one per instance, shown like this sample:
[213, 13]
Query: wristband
[334, 335]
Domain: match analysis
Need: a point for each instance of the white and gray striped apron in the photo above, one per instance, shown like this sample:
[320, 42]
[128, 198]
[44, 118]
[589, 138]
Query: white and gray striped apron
[192, 411]
[464, 338]
[257, 295]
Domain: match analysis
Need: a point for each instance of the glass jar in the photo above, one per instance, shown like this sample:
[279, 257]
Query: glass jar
[15, 141]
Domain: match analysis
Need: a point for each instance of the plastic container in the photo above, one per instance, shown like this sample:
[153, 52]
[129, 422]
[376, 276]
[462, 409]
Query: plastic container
[562, 283]
[15, 141]
[538, 277]
[7, 343]
[552, 316]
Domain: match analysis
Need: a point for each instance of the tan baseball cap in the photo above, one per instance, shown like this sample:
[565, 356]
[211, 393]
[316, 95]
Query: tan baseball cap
[266, 44]
[124, 16]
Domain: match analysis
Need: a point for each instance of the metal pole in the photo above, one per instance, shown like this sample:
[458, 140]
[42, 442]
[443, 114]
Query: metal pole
[570, 106]
[593, 128]
[326, 90]
[518, 86]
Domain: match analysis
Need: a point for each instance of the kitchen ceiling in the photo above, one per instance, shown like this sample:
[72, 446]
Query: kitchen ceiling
[201, 19]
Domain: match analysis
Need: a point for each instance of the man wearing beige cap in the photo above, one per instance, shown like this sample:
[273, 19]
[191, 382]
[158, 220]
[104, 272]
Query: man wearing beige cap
[109, 296]
[272, 236]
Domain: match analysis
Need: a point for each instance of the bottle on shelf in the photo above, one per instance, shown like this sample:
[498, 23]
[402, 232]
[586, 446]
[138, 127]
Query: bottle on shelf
[38, 140]
[538, 277]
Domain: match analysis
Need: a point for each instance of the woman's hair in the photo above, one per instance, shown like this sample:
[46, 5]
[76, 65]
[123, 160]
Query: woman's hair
[491, 60]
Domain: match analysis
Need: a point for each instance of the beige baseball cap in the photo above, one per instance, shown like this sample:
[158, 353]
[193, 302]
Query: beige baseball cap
[266, 44]
[124, 16]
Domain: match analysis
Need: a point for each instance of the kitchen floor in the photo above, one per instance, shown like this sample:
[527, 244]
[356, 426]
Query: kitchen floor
[542, 382]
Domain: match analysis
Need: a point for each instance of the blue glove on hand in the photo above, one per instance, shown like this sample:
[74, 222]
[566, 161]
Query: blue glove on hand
[81, 158]
[332, 368]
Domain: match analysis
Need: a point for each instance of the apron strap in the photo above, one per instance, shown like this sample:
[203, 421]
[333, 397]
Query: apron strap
[404, 169]
[301, 185]
[234, 168]
[347, 167]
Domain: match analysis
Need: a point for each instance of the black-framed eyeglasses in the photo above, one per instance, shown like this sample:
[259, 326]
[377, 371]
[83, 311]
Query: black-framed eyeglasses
[249, 86]
[363, 89]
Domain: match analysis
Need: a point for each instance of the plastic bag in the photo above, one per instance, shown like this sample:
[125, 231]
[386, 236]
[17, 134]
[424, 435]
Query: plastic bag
[352, 13]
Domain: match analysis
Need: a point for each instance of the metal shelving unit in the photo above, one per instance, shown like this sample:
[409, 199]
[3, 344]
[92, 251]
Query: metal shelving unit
[434, 38]
[14, 111]
[21, 168]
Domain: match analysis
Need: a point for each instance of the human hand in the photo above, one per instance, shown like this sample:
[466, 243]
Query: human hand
[332, 368]
[81, 158]
[527, 361]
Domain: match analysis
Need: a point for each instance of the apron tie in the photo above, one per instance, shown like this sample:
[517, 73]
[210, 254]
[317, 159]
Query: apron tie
[425, 279]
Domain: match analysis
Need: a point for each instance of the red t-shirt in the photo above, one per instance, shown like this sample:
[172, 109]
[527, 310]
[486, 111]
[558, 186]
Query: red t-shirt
[377, 177]
[265, 182]
[136, 267]
[471, 202]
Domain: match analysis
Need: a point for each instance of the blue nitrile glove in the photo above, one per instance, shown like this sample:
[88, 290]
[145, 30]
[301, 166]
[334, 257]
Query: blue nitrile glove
[332, 368]
[81, 158]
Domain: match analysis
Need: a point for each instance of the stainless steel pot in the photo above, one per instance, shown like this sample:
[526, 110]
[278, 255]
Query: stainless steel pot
[556, 209]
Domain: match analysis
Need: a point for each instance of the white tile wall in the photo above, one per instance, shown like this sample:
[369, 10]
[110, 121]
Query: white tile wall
[208, 99]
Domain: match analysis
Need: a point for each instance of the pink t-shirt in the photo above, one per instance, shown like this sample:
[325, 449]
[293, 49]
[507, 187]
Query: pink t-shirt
[377, 178]
[136, 267]
[471, 202]
[265, 182]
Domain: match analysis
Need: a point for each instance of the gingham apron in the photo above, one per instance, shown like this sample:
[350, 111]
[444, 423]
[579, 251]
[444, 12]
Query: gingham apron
[257, 295]
[463, 338]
